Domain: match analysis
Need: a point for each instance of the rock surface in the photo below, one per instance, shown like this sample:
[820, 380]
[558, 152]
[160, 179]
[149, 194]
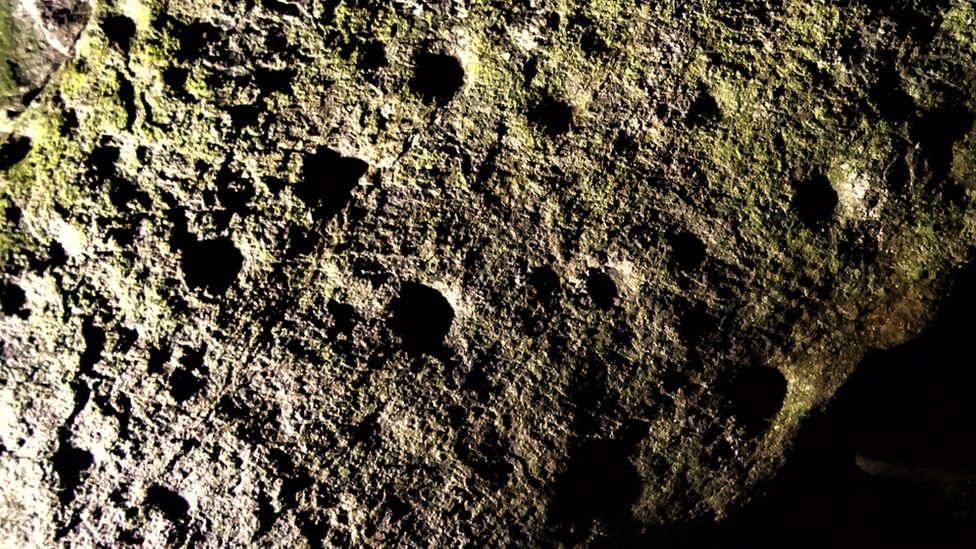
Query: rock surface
[35, 38]
[344, 272]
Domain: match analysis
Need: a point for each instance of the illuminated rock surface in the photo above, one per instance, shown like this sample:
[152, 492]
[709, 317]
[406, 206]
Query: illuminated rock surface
[346, 272]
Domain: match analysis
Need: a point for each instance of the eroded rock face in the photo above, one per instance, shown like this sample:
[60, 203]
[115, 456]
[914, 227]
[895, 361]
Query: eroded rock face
[36, 36]
[376, 273]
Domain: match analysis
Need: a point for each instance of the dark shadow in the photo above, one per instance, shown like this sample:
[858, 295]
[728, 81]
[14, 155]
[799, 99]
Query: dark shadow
[212, 264]
[421, 317]
[601, 288]
[328, 179]
[545, 284]
[196, 40]
[596, 492]
[13, 300]
[918, 19]
[172, 505]
[190, 377]
[688, 252]
[752, 397]
[70, 464]
[94, 337]
[890, 462]
[940, 129]
[120, 30]
[552, 116]
[437, 78]
[705, 110]
[815, 201]
[14, 150]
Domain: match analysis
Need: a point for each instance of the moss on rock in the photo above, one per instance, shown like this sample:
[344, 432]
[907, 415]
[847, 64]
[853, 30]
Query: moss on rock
[640, 217]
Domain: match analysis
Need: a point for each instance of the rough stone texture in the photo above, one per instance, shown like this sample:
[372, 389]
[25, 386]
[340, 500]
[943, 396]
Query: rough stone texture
[35, 38]
[346, 272]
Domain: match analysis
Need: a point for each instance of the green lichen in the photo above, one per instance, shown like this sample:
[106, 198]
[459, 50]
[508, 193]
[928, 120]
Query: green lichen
[471, 197]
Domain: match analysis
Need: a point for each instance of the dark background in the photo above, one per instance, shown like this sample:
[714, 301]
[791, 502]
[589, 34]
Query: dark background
[913, 406]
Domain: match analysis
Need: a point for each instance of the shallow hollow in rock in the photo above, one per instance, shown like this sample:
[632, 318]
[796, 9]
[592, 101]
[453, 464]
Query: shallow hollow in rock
[328, 179]
[553, 116]
[212, 264]
[13, 151]
[753, 396]
[422, 316]
[601, 288]
[815, 201]
[120, 30]
[437, 77]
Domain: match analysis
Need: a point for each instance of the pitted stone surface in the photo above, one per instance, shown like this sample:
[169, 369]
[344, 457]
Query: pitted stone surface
[356, 273]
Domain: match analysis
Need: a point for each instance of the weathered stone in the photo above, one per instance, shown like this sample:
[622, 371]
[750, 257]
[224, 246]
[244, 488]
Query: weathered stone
[36, 36]
[396, 273]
